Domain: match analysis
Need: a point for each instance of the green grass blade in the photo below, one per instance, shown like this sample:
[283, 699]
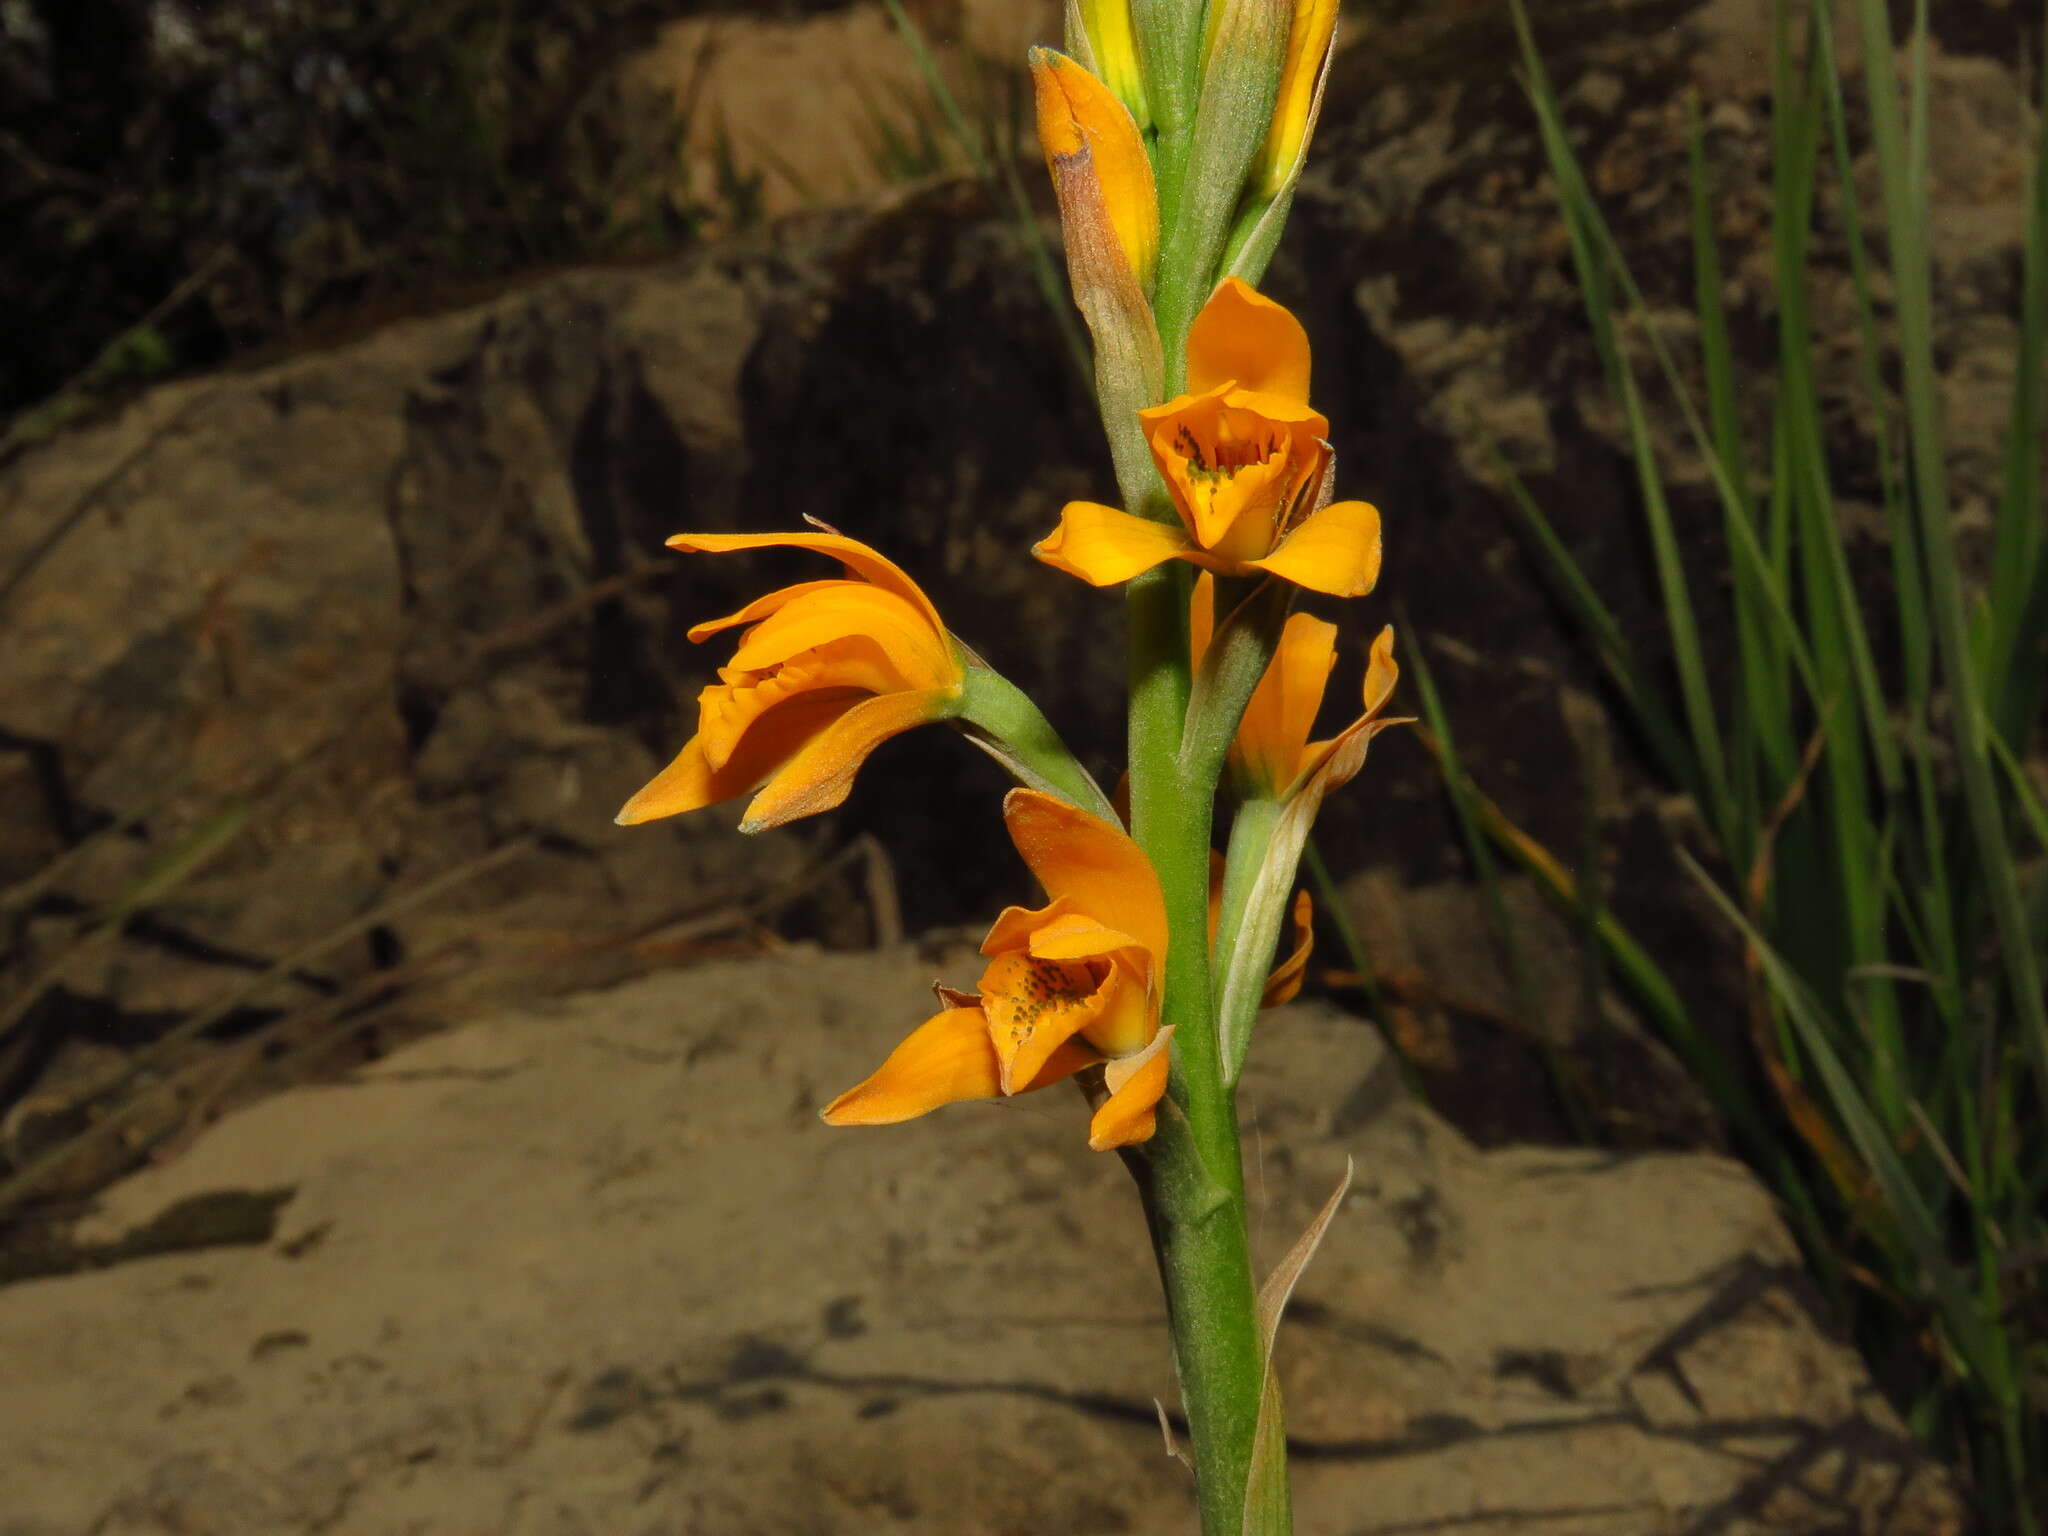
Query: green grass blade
[1330, 900]
[1582, 222]
[1926, 856]
[1645, 703]
[1903, 1198]
[1840, 867]
[2019, 581]
[1903, 169]
[1460, 790]
[1762, 728]
[1834, 616]
[2032, 808]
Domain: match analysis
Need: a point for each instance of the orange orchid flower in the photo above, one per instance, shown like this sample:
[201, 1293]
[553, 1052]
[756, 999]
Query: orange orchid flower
[826, 671]
[1247, 463]
[1272, 757]
[1068, 985]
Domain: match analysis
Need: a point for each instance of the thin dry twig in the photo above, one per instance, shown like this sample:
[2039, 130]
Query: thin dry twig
[884, 906]
[68, 521]
[38, 1172]
[355, 1007]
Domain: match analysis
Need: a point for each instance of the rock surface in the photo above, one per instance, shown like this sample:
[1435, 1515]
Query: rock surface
[830, 103]
[596, 1266]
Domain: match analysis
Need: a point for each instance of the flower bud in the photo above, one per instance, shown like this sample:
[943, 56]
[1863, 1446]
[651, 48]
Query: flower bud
[1109, 215]
[1309, 43]
[1099, 166]
[1270, 193]
[1099, 35]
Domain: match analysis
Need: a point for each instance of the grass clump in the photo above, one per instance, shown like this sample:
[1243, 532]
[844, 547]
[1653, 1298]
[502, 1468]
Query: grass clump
[1857, 762]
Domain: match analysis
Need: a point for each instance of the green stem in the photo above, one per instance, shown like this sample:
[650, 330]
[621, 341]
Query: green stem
[1192, 1178]
[1205, 1265]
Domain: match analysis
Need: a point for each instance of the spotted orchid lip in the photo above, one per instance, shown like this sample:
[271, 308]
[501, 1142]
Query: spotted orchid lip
[1040, 1017]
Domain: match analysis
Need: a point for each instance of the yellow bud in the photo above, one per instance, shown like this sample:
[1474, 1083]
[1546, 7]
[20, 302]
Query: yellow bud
[1308, 50]
[1100, 35]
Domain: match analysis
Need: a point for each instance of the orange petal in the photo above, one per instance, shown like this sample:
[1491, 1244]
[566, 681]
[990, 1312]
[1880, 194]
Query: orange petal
[1243, 335]
[820, 774]
[918, 655]
[946, 1060]
[1284, 984]
[1033, 1007]
[1091, 863]
[1130, 1007]
[1087, 133]
[734, 705]
[1328, 765]
[1103, 546]
[758, 609]
[868, 564]
[1381, 673]
[1014, 926]
[690, 782]
[1074, 936]
[1061, 1065]
[1233, 513]
[1276, 405]
[1337, 551]
[1136, 1084]
[1282, 711]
